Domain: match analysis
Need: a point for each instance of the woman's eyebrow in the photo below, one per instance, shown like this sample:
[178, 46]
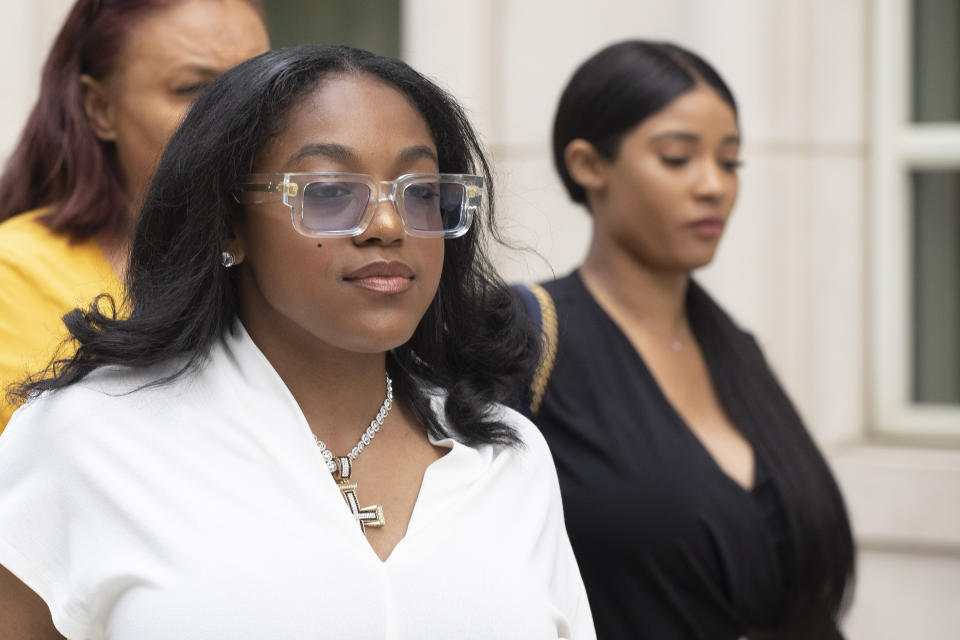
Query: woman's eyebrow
[199, 70]
[685, 136]
[346, 155]
[418, 152]
[689, 136]
[326, 150]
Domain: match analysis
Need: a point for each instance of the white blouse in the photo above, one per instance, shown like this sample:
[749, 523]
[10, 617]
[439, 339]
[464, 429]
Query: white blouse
[203, 509]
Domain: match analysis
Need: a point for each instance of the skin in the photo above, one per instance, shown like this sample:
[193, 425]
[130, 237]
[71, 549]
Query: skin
[659, 210]
[23, 615]
[170, 55]
[325, 332]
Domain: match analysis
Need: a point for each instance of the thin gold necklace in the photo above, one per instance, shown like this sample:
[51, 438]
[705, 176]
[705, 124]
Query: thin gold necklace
[675, 341]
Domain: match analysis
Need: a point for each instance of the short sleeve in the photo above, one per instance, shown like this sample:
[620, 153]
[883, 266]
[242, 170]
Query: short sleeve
[35, 515]
[553, 555]
[30, 328]
[42, 277]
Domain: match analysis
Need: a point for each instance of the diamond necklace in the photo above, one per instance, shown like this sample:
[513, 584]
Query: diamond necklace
[341, 466]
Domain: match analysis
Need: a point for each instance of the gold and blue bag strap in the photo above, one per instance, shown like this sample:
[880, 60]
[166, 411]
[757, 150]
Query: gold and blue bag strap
[543, 313]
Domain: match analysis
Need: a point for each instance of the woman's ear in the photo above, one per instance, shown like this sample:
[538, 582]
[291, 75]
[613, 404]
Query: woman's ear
[235, 245]
[586, 166]
[98, 108]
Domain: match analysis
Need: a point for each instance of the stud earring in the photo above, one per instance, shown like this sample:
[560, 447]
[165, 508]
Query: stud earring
[227, 259]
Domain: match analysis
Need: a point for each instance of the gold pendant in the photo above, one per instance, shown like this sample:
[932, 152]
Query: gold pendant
[366, 517]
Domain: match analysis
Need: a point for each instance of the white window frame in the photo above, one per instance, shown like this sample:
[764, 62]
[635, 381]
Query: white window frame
[901, 146]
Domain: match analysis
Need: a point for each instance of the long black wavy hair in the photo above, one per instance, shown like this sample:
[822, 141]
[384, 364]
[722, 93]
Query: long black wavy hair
[609, 95]
[471, 341]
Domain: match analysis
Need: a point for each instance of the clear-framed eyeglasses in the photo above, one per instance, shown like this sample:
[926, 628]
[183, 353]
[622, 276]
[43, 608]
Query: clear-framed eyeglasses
[337, 205]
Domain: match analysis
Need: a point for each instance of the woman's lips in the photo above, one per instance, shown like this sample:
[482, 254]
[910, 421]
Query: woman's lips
[707, 228]
[382, 277]
[383, 284]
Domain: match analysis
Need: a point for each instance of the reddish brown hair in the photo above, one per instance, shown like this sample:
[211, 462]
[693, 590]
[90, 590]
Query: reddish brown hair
[58, 160]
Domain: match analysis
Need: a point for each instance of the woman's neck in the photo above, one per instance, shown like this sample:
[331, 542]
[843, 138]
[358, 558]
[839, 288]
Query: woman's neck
[116, 246]
[631, 291]
[116, 249]
[338, 391]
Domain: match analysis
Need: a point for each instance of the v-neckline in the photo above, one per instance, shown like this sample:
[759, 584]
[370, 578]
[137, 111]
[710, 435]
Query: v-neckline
[457, 468]
[664, 400]
[454, 455]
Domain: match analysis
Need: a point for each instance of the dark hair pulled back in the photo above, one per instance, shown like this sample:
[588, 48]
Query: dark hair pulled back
[618, 88]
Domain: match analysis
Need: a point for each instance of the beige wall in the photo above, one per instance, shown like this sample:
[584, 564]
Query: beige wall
[800, 214]
[795, 266]
[27, 30]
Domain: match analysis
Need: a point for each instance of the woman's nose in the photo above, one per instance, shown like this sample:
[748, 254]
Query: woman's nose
[711, 181]
[386, 226]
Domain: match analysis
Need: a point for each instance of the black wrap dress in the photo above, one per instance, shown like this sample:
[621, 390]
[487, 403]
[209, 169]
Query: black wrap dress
[670, 546]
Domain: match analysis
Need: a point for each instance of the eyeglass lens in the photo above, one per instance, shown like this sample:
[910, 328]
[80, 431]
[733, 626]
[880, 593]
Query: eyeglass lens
[340, 205]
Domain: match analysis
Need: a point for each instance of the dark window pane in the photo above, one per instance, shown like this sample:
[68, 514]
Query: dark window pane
[372, 24]
[936, 60]
[936, 273]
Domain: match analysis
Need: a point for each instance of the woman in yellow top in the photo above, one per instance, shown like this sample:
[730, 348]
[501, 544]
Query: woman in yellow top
[118, 80]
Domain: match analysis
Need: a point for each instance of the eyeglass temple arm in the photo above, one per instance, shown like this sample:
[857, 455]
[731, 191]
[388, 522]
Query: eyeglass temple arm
[248, 192]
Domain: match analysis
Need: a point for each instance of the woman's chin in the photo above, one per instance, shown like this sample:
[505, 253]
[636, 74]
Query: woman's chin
[698, 257]
[378, 339]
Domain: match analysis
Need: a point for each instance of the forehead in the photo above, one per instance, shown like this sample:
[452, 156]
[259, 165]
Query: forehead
[356, 111]
[698, 110]
[210, 34]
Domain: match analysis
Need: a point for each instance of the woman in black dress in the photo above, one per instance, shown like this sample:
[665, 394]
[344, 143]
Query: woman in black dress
[696, 501]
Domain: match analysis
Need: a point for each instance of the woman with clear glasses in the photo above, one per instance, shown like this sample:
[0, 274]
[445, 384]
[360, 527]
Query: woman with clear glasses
[119, 78]
[297, 431]
[697, 503]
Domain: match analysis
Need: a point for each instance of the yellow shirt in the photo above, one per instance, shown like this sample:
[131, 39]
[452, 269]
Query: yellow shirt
[42, 277]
